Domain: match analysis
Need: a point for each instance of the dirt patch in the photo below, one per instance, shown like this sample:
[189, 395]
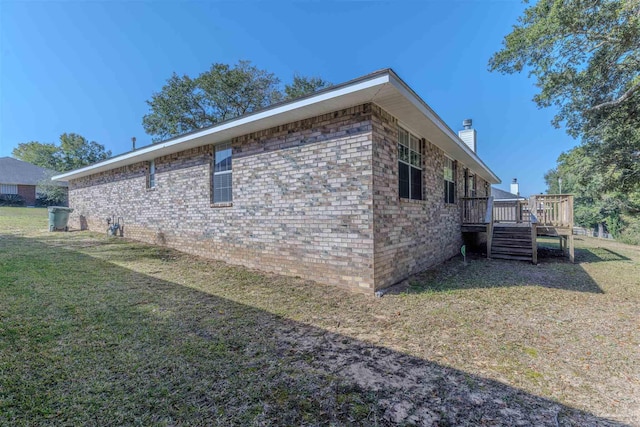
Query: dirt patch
[416, 392]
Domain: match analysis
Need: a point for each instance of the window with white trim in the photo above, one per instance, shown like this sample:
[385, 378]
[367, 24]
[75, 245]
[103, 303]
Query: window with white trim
[222, 184]
[449, 180]
[151, 174]
[8, 189]
[409, 165]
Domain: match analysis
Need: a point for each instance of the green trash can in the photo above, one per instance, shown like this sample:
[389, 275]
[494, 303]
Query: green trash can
[59, 218]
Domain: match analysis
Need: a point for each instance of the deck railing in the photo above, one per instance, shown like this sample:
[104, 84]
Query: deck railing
[552, 210]
[513, 211]
[549, 210]
[474, 209]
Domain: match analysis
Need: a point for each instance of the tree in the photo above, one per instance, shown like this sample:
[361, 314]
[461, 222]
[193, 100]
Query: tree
[36, 153]
[51, 193]
[302, 86]
[585, 57]
[73, 152]
[177, 109]
[221, 93]
[596, 202]
[76, 151]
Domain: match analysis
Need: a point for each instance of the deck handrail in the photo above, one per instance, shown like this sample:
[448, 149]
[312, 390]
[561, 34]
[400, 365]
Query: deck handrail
[474, 209]
[552, 210]
[511, 211]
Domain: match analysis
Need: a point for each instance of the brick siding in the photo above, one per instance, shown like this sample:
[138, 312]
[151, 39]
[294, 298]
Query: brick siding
[317, 198]
[28, 193]
[301, 201]
[410, 235]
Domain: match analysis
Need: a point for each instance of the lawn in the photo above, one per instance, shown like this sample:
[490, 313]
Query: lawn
[105, 331]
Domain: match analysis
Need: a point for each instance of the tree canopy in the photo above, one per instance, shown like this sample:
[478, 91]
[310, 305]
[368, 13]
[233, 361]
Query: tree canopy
[73, 152]
[597, 201]
[39, 154]
[223, 92]
[302, 86]
[585, 57]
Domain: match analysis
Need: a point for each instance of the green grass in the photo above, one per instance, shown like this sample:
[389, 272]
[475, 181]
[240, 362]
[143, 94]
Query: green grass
[106, 331]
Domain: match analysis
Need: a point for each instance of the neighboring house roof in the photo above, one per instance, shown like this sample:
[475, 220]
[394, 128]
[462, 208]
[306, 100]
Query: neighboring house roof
[499, 194]
[383, 88]
[14, 171]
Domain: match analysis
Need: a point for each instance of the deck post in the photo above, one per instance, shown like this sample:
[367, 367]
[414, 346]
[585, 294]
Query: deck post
[572, 256]
[488, 220]
[534, 243]
[489, 239]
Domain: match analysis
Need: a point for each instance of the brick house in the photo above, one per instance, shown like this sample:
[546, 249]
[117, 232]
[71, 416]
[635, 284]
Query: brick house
[22, 178]
[357, 185]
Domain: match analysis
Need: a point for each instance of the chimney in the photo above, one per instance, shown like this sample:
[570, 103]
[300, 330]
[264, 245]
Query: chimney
[133, 142]
[515, 187]
[469, 135]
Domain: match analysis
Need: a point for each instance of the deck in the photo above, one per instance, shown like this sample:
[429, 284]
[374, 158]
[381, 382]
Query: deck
[513, 227]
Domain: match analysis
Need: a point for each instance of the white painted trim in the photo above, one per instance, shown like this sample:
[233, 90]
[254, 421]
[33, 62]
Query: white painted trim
[142, 154]
[434, 118]
[278, 113]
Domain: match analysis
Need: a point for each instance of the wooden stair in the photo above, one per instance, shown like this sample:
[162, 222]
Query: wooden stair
[512, 243]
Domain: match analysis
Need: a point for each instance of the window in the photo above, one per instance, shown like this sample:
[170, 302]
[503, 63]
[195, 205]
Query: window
[449, 180]
[222, 182]
[409, 165]
[8, 189]
[151, 174]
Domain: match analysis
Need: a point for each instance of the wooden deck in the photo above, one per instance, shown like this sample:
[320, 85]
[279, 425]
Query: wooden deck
[513, 227]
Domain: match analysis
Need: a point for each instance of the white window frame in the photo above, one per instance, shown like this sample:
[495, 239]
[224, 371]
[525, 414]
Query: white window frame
[8, 189]
[448, 159]
[214, 174]
[410, 153]
[151, 175]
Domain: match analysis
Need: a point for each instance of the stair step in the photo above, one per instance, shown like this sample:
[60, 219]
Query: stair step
[512, 257]
[510, 233]
[512, 245]
[498, 245]
[508, 240]
[511, 251]
[522, 229]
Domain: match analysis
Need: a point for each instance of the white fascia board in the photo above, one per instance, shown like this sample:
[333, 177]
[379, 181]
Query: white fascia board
[417, 102]
[169, 146]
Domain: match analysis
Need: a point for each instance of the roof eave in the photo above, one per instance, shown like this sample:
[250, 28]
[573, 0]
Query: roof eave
[199, 138]
[361, 90]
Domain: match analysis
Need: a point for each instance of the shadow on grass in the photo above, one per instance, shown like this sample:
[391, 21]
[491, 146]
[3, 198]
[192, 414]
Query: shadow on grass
[599, 255]
[84, 341]
[554, 272]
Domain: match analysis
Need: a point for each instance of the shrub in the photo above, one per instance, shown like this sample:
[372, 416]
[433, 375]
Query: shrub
[11, 200]
[44, 200]
[631, 234]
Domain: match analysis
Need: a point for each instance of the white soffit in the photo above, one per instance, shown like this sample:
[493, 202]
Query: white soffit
[383, 88]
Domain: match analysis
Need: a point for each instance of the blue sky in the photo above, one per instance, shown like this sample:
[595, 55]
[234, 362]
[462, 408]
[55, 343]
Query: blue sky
[88, 67]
